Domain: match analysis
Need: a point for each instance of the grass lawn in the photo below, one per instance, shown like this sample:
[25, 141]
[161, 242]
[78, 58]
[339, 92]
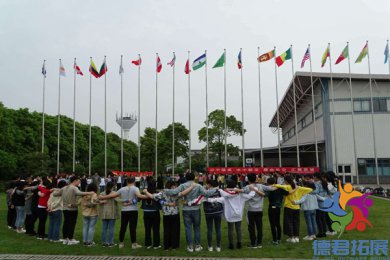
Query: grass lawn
[11, 242]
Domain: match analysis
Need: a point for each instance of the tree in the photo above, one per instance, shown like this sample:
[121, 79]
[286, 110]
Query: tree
[216, 133]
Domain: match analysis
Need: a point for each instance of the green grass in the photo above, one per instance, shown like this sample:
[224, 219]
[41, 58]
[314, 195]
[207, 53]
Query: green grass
[13, 243]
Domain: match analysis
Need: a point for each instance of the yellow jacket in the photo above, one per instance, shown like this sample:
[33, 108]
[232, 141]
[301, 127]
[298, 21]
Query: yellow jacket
[296, 195]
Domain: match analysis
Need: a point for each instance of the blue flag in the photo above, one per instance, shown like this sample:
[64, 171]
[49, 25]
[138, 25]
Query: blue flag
[387, 52]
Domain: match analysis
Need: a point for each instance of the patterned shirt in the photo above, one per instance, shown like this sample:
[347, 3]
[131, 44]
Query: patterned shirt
[164, 200]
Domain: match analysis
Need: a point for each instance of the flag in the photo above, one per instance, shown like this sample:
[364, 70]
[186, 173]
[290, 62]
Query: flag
[283, 57]
[220, 62]
[77, 69]
[239, 61]
[172, 62]
[187, 69]
[137, 62]
[362, 54]
[159, 65]
[305, 57]
[325, 56]
[343, 55]
[44, 69]
[386, 53]
[266, 56]
[199, 62]
[121, 69]
[103, 68]
[62, 70]
[93, 70]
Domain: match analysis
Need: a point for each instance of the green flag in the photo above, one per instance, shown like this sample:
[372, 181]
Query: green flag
[220, 61]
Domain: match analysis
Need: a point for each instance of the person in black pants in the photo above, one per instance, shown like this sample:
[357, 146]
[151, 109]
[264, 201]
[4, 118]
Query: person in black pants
[151, 218]
[11, 213]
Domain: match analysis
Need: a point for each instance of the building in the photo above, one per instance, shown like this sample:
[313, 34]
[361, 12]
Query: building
[344, 126]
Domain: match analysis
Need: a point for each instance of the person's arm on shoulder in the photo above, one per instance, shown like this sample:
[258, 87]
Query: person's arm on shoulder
[283, 187]
[175, 191]
[257, 191]
[304, 190]
[188, 190]
[267, 188]
[149, 195]
[220, 200]
[140, 196]
[112, 195]
[249, 195]
[301, 200]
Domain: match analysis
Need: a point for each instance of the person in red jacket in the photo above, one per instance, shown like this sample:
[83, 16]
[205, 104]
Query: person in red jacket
[44, 195]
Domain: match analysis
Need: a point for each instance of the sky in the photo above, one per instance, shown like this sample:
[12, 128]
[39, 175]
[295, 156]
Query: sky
[31, 31]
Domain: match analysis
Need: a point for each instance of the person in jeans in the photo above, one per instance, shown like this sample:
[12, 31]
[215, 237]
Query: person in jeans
[18, 202]
[108, 212]
[54, 207]
[129, 196]
[151, 210]
[90, 214]
[44, 191]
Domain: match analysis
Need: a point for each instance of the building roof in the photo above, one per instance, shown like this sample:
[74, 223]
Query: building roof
[302, 82]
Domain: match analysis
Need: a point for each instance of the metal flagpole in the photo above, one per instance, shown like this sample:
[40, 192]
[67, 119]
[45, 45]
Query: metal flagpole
[333, 110]
[121, 74]
[352, 117]
[90, 117]
[260, 113]
[139, 115]
[277, 110]
[207, 115]
[156, 148]
[173, 115]
[295, 108]
[372, 117]
[59, 121]
[105, 120]
[224, 88]
[74, 115]
[388, 55]
[242, 115]
[189, 117]
[43, 105]
[314, 112]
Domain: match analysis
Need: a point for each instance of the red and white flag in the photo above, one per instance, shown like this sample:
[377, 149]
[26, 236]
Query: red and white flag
[77, 69]
[159, 65]
[172, 62]
[187, 69]
[137, 62]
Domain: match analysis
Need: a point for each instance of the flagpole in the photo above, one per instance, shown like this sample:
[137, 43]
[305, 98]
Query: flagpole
[105, 120]
[156, 148]
[207, 114]
[352, 117]
[74, 115]
[121, 74]
[388, 57]
[139, 115]
[173, 115]
[59, 120]
[224, 87]
[90, 117]
[333, 111]
[277, 110]
[260, 113]
[295, 108]
[314, 114]
[43, 106]
[189, 117]
[242, 114]
[372, 116]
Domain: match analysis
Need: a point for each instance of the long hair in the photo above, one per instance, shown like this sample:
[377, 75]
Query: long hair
[109, 187]
[289, 179]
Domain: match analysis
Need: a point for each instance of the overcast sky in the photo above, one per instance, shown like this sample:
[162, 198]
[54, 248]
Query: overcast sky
[31, 31]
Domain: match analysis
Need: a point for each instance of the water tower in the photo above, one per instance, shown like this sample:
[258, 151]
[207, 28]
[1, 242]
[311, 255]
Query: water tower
[127, 122]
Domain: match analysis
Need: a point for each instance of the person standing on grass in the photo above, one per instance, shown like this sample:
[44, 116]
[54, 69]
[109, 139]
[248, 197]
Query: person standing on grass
[54, 208]
[11, 213]
[18, 202]
[44, 191]
[108, 213]
[90, 214]
[29, 222]
[129, 196]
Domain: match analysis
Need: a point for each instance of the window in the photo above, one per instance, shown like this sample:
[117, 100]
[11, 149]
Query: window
[366, 167]
[343, 168]
[285, 137]
[309, 118]
[303, 123]
[361, 106]
[380, 105]
[291, 132]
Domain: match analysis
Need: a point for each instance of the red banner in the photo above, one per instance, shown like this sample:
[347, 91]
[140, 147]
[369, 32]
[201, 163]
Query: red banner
[258, 170]
[134, 174]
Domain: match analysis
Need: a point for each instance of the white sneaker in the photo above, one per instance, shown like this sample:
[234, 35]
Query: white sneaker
[218, 249]
[296, 240]
[211, 249]
[65, 241]
[190, 249]
[198, 248]
[149, 247]
[156, 247]
[121, 245]
[314, 237]
[290, 239]
[135, 246]
[331, 233]
[73, 242]
[308, 238]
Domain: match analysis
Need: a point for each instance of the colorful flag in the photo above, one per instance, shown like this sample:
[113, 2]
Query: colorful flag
[343, 55]
[121, 70]
[103, 68]
[305, 57]
[62, 70]
[159, 65]
[44, 70]
[187, 69]
[387, 52]
[172, 62]
[266, 56]
[239, 61]
[77, 69]
[325, 56]
[220, 62]
[137, 62]
[199, 62]
[362, 54]
[283, 57]
[93, 70]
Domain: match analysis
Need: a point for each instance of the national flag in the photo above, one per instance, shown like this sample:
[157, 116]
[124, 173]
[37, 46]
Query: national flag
[283, 57]
[44, 70]
[362, 54]
[62, 70]
[77, 69]
[220, 62]
[343, 55]
[159, 65]
[305, 57]
[137, 62]
[172, 62]
[325, 56]
[199, 62]
[121, 70]
[239, 61]
[103, 68]
[93, 70]
[187, 69]
[266, 56]
[387, 52]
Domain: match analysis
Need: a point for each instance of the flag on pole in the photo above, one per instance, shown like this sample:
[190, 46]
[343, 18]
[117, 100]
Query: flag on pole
[220, 62]
[187, 69]
[325, 56]
[93, 70]
[44, 69]
[159, 65]
[387, 52]
[266, 56]
[121, 70]
[305, 57]
[62, 70]
[199, 62]
[137, 62]
[283, 57]
[239, 61]
[103, 68]
[362, 54]
[343, 55]
[77, 69]
[172, 62]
